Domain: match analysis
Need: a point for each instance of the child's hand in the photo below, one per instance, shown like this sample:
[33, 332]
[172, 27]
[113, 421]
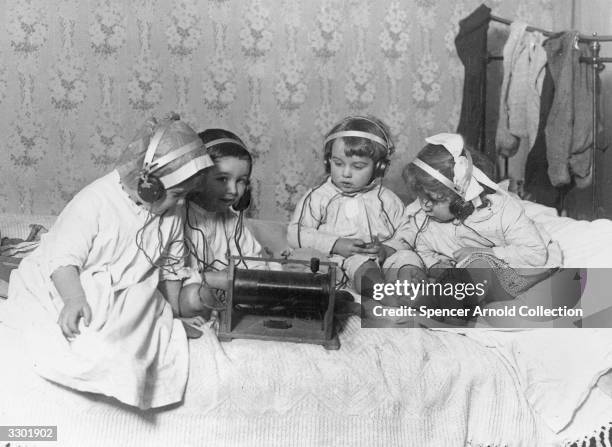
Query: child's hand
[466, 252]
[74, 309]
[348, 247]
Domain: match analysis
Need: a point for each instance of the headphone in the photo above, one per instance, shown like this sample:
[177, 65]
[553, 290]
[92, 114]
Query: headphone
[460, 208]
[381, 165]
[245, 200]
[151, 188]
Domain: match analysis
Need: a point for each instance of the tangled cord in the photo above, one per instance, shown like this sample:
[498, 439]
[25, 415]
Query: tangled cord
[164, 259]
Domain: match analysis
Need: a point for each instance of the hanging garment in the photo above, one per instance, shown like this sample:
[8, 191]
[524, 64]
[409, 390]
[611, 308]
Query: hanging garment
[505, 142]
[569, 127]
[536, 55]
[471, 44]
[519, 110]
[537, 183]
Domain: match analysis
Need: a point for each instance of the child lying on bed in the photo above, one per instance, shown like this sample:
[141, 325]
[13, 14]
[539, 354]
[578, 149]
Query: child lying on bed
[351, 217]
[87, 299]
[465, 220]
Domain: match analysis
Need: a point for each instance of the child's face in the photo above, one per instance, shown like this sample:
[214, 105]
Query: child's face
[349, 174]
[224, 184]
[436, 207]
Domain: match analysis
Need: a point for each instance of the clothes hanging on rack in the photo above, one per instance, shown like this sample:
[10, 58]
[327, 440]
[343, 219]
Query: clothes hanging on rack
[536, 71]
[519, 106]
[569, 127]
[524, 61]
[563, 139]
[537, 184]
[506, 142]
[471, 44]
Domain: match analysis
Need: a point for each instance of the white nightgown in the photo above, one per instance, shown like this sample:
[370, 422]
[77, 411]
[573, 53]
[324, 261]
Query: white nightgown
[212, 235]
[133, 349]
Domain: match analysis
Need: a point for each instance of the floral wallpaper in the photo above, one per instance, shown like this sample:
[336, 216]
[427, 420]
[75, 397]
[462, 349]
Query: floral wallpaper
[77, 77]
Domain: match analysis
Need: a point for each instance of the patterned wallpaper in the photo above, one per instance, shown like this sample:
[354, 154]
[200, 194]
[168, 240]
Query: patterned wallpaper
[77, 77]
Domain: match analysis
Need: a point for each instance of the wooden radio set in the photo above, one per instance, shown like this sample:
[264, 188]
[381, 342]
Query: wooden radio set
[293, 306]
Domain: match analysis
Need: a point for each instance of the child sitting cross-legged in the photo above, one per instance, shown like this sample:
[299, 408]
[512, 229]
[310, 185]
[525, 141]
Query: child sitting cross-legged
[351, 217]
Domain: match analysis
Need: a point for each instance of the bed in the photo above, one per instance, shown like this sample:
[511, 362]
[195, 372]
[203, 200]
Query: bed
[391, 387]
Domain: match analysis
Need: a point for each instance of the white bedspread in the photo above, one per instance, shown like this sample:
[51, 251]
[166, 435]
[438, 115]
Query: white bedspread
[383, 387]
[387, 387]
[559, 368]
[584, 243]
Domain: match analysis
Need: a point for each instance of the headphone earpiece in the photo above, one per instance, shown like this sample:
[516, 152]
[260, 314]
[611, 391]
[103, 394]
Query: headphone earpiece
[327, 162]
[381, 168]
[150, 188]
[460, 208]
[245, 201]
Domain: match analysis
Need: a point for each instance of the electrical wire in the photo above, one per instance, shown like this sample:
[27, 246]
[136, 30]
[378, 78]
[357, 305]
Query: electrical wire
[164, 259]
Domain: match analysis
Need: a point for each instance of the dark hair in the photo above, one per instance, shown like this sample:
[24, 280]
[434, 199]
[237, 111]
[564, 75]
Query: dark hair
[362, 147]
[440, 159]
[226, 149]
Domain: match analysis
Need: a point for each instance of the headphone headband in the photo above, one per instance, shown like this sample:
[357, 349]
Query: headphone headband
[173, 155]
[189, 169]
[357, 133]
[438, 176]
[224, 140]
[153, 143]
[386, 142]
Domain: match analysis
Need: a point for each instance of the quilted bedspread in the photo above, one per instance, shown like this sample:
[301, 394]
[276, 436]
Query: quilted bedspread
[391, 387]
[386, 387]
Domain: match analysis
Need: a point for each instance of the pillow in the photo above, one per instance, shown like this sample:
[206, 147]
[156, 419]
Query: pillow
[17, 226]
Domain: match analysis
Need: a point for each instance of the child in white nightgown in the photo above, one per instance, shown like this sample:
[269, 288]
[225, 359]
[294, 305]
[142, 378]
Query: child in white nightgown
[87, 299]
[215, 226]
[351, 216]
[467, 221]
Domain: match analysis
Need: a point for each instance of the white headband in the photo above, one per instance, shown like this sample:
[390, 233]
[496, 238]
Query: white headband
[223, 140]
[189, 169]
[466, 177]
[182, 173]
[357, 133]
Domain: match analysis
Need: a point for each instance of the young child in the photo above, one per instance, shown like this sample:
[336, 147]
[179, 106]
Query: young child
[87, 298]
[351, 216]
[215, 226]
[467, 221]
